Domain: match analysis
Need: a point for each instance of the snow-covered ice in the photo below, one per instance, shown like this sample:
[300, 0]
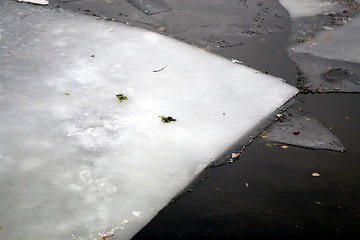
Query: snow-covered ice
[75, 161]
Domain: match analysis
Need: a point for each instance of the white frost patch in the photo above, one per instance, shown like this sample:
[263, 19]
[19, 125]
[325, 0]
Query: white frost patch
[307, 8]
[76, 161]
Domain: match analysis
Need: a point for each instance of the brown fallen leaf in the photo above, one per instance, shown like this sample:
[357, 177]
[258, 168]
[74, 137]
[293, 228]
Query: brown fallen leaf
[284, 147]
[230, 161]
[315, 174]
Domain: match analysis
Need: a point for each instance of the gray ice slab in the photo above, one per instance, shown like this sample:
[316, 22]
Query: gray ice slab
[303, 131]
[339, 43]
[324, 75]
[150, 6]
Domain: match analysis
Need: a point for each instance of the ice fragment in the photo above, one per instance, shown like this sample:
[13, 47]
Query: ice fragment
[150, 6]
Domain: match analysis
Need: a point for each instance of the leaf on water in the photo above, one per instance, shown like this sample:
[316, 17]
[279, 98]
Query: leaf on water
[0, 228]
[296, 133]
[67, 94]
[121, 97]
[268, 145]
[167, 119]
[109, 1]
[315, 174]
[284, 147]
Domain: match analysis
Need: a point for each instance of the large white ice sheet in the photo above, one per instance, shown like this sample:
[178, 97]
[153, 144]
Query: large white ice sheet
[76, 161]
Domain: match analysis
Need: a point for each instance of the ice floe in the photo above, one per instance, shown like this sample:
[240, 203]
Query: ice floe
[81, 161]
[300, 129]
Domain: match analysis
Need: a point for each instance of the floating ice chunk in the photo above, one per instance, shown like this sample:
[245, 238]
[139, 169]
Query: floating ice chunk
[306, 8]
[302, 130]
[341, 43]
[76, 161]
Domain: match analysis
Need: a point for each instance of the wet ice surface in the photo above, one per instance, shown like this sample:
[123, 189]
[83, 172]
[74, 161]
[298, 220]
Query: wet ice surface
[338, 43]
[76, 161]
[326, 44]
[300, 129]
[325, 75]
[325, 48]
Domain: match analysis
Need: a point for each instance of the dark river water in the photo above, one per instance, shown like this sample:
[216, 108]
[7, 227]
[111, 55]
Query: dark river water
[269, 191]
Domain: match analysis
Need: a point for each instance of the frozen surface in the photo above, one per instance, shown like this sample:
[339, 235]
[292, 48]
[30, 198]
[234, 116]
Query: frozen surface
[75, 161]
[325, 75]
[302, 130]
[341, 43]
[307, 8]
